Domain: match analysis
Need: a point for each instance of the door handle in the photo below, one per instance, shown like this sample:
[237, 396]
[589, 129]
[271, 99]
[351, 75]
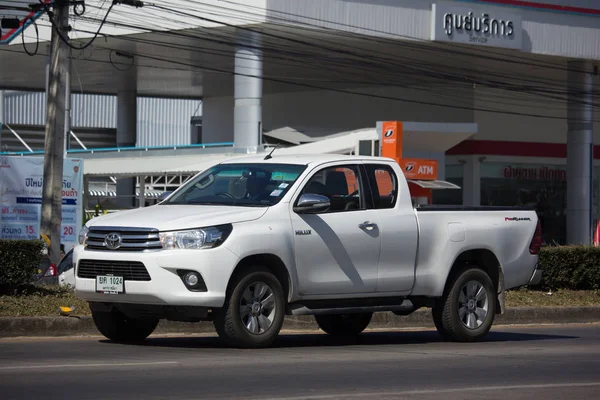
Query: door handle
[367, 225]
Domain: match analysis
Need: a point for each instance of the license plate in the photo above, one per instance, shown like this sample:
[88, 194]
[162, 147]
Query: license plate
[109, 284]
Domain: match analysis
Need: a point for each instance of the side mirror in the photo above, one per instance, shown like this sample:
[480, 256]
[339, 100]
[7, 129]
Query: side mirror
[312, 203]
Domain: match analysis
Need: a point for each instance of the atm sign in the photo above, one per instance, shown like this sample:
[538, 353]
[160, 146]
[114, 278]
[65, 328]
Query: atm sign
[419, 169]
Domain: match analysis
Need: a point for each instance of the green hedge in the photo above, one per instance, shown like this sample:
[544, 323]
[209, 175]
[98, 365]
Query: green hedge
[570, 267]
[19, 261]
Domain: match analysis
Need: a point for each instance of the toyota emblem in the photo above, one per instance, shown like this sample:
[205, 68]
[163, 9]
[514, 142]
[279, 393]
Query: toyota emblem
[113, 241]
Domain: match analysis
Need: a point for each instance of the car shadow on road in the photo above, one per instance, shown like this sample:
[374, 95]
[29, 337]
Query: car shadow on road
[365, 339]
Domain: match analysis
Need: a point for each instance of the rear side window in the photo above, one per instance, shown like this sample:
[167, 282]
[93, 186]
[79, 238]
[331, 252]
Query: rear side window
[384, 185]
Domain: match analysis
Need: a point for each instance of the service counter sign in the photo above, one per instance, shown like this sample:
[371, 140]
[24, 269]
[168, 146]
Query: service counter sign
[476, 26]
[21, 183]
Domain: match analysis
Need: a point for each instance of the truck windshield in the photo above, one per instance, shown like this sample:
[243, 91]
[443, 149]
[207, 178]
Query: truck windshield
[250, 185]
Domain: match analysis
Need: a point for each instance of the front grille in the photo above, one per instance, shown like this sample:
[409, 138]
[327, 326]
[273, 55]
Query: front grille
[132, 239]
[129, 270]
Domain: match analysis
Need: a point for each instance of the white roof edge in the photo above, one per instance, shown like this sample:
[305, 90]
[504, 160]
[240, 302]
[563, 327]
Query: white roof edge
[152, 165]
[420, 137]
[434, 184]
[442, 127]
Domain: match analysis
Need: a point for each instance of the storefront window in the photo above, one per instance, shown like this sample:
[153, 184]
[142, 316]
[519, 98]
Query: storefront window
[543, 187]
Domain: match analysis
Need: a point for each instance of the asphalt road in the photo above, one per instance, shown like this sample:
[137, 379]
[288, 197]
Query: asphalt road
[550, 362]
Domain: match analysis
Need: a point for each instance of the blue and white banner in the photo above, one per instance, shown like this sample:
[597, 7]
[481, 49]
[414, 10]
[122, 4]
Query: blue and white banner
[21, 183]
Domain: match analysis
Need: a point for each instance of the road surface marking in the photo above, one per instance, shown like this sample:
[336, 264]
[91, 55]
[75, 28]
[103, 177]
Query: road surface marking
[435, 391]
[87, 365]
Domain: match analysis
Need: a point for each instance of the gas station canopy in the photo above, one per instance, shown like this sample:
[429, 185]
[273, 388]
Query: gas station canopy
[434, 184]
[416, 136]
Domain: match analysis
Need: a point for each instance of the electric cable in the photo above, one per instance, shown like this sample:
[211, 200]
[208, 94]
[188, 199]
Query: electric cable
[66, 40]
[497, 85]
[37, 42]
[187, 14]
[171, 60]
[519, 88]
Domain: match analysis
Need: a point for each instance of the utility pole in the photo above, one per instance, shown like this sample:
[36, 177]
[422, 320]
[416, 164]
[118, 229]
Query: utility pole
[51, 219]
[1, 115]
[68, 107]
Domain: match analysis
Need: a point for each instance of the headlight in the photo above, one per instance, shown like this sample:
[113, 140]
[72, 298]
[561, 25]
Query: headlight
[83, 234]
[203, 238]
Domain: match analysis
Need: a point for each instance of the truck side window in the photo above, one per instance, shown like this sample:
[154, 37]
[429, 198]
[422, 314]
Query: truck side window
[341, 184]
[383, 185]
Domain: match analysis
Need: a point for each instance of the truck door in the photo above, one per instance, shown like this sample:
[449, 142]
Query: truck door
[398, 224]
[336, 251]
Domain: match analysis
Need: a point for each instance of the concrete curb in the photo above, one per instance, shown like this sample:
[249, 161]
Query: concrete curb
[84, 326]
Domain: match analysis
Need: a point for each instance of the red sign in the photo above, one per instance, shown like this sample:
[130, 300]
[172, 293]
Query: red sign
[391, 139]
[416, 168]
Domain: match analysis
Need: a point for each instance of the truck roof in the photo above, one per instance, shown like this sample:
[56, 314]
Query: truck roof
[303, 159]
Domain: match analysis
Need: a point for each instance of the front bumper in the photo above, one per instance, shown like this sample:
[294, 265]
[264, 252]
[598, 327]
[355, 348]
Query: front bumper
[536, 277]
[165, 286]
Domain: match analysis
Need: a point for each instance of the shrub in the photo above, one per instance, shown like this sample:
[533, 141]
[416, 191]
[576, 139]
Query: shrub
[570, 267]
[19, 261]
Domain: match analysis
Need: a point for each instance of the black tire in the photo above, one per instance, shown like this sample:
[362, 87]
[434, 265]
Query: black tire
[121, 329]
[447, 315]
[344, 325]
[229, 321]
[436, 313]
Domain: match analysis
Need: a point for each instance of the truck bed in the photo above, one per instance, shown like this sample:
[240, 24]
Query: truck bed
[447, 231]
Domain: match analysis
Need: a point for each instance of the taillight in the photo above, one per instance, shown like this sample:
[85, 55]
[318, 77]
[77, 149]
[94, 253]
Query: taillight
[51, 271]
[536, 242]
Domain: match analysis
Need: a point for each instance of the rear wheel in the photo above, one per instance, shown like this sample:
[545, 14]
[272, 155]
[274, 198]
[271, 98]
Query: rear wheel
[344, 324]
[466, 311]
[121, 329]
[253, 313]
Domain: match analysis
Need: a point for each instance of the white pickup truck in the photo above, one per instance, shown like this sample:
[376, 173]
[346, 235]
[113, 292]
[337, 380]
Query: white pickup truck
[253, 239]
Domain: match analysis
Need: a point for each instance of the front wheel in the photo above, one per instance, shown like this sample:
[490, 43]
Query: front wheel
[121, 329]
[253, 313]
[466, 311]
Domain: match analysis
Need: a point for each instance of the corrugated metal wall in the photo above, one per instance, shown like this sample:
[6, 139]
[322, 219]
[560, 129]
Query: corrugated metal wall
[93, 111]
[161, 122]
[165, 122]
[24, 108]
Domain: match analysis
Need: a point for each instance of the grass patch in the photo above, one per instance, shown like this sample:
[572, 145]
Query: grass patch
[36, 301]
[558, 298]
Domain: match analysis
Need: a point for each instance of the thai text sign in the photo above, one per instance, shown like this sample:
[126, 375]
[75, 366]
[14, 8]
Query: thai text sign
[465, 25]
[21, 183]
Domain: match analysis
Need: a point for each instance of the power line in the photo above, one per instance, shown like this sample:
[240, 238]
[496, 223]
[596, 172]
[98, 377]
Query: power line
[247, 19]
[430, 74]
[298, 41]
[316, 87]
[449, 92]
[371, 66]
[171, 60]
[232, 43]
